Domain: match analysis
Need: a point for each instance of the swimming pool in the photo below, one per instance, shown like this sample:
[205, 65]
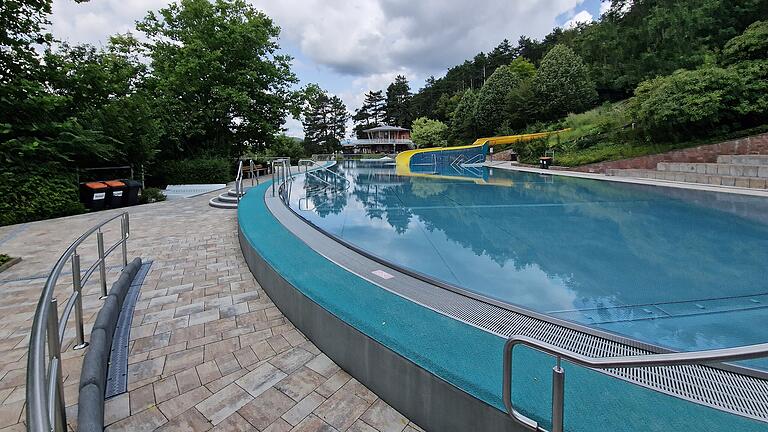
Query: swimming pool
[674, 268]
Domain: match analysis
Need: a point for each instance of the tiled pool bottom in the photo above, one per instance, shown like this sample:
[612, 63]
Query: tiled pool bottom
[465, 356]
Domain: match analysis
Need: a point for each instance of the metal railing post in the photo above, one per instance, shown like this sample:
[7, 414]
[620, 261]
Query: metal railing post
[81, 343]
[102, 263]
[57, 412]
[124, 237]
[558, 396]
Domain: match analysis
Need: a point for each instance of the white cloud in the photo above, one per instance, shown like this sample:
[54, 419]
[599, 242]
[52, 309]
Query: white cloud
[365, 37]
[605, 6]
[579, 18]
[93, 22]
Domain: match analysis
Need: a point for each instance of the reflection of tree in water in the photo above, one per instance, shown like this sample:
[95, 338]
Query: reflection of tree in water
[382, 202]
[323, 198]
[602, 239]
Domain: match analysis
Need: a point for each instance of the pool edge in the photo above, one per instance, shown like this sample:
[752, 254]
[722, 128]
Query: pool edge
[413, 391]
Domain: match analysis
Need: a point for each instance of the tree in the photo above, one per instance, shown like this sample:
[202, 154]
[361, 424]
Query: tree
[429, 133]
[371, 114]
[217, 77]
[750, 45]
[324, 122]
[492, 98]
[398, 105]
[291, 147]
[464, 124]
[562, 84]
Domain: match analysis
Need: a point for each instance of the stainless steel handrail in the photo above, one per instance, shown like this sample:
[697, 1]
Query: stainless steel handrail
[307, 162]
[620, 362]
[45, 390]
[239, 181]
[281, 172]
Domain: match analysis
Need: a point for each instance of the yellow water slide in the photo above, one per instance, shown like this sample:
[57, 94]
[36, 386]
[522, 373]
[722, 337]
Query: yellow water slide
[403, 159]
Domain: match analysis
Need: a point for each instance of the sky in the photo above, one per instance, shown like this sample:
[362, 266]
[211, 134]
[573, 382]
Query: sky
[351, 46]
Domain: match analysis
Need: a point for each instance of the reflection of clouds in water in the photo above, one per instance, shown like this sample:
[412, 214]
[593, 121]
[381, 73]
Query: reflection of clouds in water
[541, 291]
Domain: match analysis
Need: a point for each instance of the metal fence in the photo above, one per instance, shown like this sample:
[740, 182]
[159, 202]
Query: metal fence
[45, 388]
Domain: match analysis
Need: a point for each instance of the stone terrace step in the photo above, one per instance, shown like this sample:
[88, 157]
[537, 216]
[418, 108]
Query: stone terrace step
[761, 160]
[722, 169]
[711, 179]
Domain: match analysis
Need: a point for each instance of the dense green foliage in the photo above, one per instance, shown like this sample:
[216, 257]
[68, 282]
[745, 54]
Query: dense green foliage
[429, 133]
[205, 81]
[751, 45]
[37, 192]
[4, 259]
[562, 84]
[193, 171]
[463, 121]
[490, 114]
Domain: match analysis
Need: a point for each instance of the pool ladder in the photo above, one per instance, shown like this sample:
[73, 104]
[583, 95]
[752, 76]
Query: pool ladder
[619, 362]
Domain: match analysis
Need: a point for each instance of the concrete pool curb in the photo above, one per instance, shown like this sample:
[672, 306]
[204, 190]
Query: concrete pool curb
[415, 392]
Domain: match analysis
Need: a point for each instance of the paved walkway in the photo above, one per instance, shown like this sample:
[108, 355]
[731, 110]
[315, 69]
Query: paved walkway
[208, 350]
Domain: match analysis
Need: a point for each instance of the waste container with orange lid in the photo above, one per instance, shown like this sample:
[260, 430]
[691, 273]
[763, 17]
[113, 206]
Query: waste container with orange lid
[94, 195]
[115, 194]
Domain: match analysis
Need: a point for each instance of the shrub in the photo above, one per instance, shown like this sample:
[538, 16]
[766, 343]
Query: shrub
[701, 102]
[193, 171]
[429, 133]
[750, 45]
[37, 192]
[150, 195]
[4, 259]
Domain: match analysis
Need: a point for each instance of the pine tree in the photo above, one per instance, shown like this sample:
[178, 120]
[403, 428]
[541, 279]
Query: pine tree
[398, 107]
[371, 114]
[324, 123]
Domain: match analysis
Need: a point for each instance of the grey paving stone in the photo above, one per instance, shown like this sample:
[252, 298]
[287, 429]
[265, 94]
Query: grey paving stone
[260, 379]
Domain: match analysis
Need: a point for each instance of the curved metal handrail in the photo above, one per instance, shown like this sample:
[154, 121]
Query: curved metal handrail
[619, 362]
[45, 391]
[308, 162]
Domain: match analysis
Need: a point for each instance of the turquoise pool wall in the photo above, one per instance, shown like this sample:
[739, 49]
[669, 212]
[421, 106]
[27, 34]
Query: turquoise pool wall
[465, 356]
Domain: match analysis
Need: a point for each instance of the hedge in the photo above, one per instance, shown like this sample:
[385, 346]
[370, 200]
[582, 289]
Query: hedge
[39, 192]
[192, 171]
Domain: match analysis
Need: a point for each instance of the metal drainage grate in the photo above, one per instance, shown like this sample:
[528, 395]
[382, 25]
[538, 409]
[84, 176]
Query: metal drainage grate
[117, 373]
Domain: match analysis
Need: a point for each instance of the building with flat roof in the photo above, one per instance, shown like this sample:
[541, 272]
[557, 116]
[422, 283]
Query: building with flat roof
[381, 139]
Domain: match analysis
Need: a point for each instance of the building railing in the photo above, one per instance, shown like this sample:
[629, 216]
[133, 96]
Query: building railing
[45, 388]
[367, 141]
[620, 362]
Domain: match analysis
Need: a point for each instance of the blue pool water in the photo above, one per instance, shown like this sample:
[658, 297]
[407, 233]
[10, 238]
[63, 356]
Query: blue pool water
[675, 268]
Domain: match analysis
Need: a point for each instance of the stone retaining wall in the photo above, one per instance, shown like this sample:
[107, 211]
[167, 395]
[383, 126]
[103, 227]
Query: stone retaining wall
[757, 144]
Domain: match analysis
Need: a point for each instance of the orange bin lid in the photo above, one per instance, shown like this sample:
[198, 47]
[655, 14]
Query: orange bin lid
[95, 185]
[114, 183]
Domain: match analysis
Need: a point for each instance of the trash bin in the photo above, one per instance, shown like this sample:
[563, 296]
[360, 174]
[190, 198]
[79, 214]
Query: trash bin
[132, 192]
[115, 193]
[94, 195]
[545, 162]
